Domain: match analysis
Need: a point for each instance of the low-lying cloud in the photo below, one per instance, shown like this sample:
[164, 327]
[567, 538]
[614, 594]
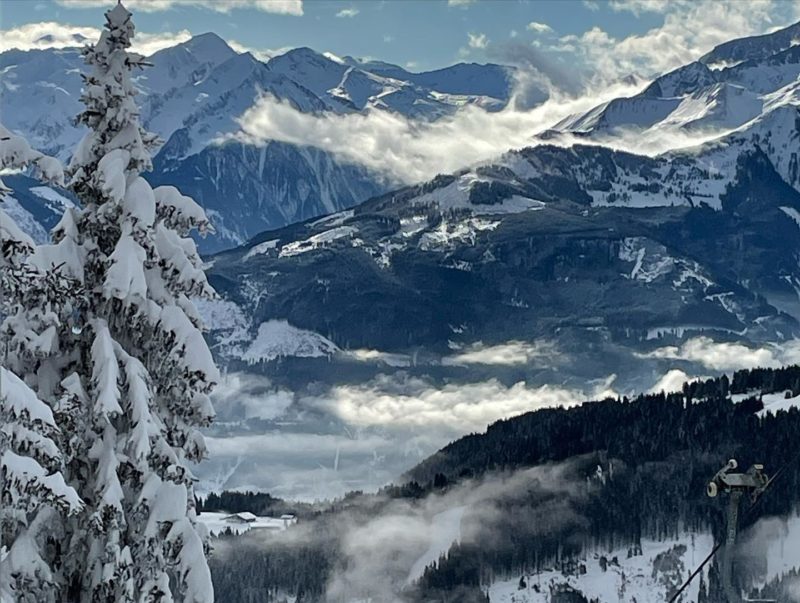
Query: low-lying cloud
[407, 401]
[729, 356]
[408, 150]
[49, 34]
[672, 381]
[312, 445]
[306, 466]
[383, 545]
[510, 353]
[385, 554]
[768, 549]
[327, 439]
[244, 395]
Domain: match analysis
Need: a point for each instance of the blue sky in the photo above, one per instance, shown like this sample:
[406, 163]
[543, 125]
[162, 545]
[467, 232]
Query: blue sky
[567, 35]
[426, 33]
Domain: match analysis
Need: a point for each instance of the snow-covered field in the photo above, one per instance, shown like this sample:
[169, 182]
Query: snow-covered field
[646, 578]
[627, 579]
[776, 402]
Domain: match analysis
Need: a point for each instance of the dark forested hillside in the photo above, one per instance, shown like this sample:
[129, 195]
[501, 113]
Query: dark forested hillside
[639, 468]
[645, 429]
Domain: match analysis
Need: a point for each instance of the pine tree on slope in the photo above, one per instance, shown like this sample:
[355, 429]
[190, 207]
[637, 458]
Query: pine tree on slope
[129, 372]
[32, 487]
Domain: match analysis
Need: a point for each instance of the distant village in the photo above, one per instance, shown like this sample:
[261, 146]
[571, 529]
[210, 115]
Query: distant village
[238, 523]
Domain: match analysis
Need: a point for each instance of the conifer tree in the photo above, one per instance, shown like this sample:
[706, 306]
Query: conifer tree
[122, 360]
[32, 487]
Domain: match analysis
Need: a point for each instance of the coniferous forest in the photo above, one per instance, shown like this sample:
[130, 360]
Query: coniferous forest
[642, 465]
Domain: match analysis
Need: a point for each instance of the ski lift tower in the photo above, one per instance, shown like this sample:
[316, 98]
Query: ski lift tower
[752, 482]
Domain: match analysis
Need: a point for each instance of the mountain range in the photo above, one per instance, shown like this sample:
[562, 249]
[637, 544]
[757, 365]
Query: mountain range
[356, 313]
[725, 89]
[565, 243]
[192, 95]
[576, 261]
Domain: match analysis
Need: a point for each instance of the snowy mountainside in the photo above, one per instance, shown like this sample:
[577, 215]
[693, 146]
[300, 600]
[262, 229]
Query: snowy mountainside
[722, 91]
[652, 574]
[40, 96]
[616, 575]
[248, 189]
[186, 63]
[35, 207]
[561, 244]
[754, 47]
[463, 79]
[348, 84]
[193, 94]
[208, 108]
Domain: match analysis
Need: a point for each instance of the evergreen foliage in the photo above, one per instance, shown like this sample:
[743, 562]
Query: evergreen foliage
[33, 492]
[656, 453]
[119, 357]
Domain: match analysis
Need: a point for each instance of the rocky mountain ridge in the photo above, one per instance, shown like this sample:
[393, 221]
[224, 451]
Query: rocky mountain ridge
[191, 97]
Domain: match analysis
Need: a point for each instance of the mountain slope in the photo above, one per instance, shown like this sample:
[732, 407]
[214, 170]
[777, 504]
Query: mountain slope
[754, 47]
[547, 242]
[192, 96]
[723, 91]
[601, 501]
[247, 189]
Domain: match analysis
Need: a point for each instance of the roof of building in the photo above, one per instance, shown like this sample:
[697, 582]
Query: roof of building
[244, 516]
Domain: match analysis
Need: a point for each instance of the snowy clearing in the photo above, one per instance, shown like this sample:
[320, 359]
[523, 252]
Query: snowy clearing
[777, 402]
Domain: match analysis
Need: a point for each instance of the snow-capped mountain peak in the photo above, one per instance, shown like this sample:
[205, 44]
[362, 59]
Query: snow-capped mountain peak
[722, 92]
[753, 47]
[208, 48]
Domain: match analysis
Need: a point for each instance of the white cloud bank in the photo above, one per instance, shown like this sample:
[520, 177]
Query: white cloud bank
[281, 7]
[250, 396]
[49, 34]
[407, 150]
[727, 356]
[46, 34]
[690, 29]
[510, 353]
[412, 402]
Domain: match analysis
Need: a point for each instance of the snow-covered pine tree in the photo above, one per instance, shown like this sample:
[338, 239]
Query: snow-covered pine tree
[32, 487]
[34, 493]
[128, 371]
[16, 153]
